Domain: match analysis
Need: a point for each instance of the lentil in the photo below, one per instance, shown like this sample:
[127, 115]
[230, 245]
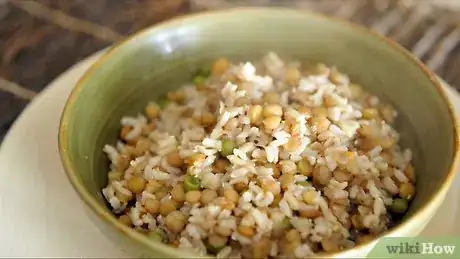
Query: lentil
[167, 206]
[125, 220]
[304, 167]
[152, 205]
[152, 110]
[207, 195]
[272, 97]
[178, 193]
[255, 114]
[273, 110]
[175, 221]
[272, 122]
[406, 191]
[136, 184]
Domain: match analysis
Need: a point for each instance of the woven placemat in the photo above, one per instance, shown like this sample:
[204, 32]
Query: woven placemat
[430, 31]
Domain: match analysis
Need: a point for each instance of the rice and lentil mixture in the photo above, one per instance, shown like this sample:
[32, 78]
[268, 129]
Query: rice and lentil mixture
[271, 159]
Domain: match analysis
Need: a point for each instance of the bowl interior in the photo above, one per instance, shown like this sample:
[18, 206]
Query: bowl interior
[162, 58]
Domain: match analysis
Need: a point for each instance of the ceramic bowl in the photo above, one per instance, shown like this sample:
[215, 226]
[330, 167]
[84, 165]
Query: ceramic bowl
[158, 59]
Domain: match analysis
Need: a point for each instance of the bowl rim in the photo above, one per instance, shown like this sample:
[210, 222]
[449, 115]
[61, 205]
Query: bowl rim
[107, 216]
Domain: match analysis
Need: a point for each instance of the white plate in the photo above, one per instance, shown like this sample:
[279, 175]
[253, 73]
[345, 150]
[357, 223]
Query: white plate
[40, 213]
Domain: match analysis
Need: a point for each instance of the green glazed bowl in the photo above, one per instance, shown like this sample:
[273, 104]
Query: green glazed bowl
[147, 65]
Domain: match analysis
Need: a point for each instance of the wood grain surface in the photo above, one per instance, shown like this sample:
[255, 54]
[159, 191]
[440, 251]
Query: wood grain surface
[39, 39]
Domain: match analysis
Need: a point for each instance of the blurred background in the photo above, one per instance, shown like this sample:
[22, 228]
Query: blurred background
[40, 39]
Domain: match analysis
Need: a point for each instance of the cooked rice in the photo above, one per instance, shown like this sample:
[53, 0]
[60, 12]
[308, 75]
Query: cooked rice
[289, 161]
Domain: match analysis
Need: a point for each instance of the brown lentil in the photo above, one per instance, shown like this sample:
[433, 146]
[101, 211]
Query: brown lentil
[152, 205]
[261, 248]
[341, 175]
[208, 119]
[370, 113]
[330, 246]
[217, 241]
[255, 114]
[176, 96]
[207, 196]
[224, 231]
[310, 196]
[167, 206]
[231, 195]
[178, 193]
[193, 197]
[174, 159]
[288, 167]
[304, 167]
[321, 124]
[220, 166]
[240, 187]
[406, 191]
[175, 221]
[273, 110]
[272, 97]
[410, 172]
[293, 236]
[152, 110]
[152, 186]
[136, 184]
[329, 101]
[220, 66]
[292, 76]
[142, 146]
[321, 175]
[125, 220]
[271, 123]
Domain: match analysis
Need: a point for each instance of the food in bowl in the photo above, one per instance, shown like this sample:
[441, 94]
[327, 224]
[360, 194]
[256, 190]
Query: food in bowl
[271, 159]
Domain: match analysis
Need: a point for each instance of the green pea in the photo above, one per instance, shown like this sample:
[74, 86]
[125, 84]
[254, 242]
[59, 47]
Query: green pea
[192, 183]
[199, 80]
[399, 206]
[203, 72]
[227, 147]
[157, 235]
[163, 103]
[285, 223]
